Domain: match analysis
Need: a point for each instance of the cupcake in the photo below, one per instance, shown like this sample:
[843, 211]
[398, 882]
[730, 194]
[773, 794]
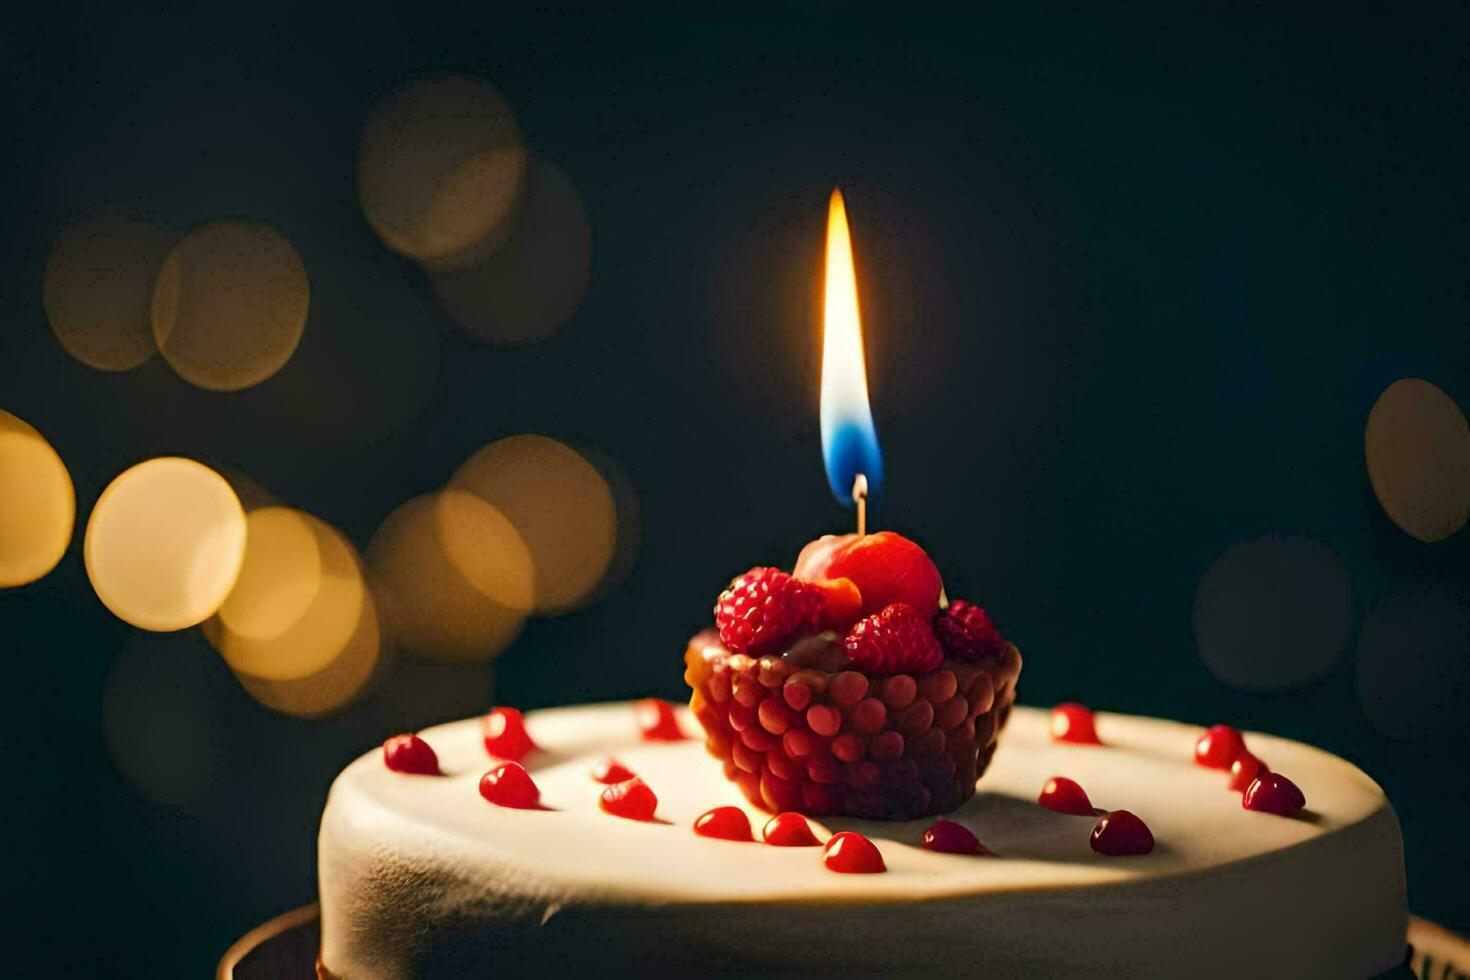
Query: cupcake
[849, 686]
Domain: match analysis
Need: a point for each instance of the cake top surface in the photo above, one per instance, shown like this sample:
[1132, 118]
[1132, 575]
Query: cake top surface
[1145, 766]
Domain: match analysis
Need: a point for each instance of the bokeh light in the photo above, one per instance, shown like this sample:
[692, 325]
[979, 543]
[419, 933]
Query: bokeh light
[560, 504]
[298, 603]
[440, 168]
[37, 504]
[98, 290]
[453, 576]
[1414, 661]
[165, 543]
[336, 685]
[1273, 612]
[230, 304]
[530, 286]
[1417, 447]
[157, 706]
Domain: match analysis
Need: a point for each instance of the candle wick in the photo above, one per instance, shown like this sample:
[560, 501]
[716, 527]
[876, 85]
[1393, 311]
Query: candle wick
[860, 497]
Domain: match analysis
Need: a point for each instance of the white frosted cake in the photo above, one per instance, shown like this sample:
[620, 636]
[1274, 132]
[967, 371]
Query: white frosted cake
[421, 875]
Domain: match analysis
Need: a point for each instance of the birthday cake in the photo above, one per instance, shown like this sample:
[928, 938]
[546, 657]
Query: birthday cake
[838, 800]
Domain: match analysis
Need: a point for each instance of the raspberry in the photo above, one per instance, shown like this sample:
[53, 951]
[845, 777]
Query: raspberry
[894, 641]
[1273, 793]
[1218, 747]
[505, 734]
[849, 852]
[765, 608]
[1121, 833]
[631, 799]
[724, 823]
[948, 837]
[410, 754]
[789, 829]
[967, 633]
[510, 786]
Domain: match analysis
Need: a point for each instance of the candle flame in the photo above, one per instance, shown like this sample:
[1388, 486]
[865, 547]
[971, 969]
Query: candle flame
[849, 441]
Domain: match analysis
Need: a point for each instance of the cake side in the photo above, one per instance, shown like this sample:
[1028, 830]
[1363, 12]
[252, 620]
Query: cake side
[420, 872]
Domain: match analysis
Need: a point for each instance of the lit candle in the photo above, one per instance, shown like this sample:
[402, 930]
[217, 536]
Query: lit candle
[849, 441]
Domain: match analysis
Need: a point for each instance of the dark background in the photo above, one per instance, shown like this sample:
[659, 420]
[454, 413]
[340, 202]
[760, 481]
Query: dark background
[1131, 282]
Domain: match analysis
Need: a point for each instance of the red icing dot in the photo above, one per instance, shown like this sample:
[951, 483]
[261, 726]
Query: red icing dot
[631, 799]
[849, 852]
[505, 734]
[510, 785]
[656, 720]
[1272, 792]
[1065, 796]
[1244, 770]
[948, 837]
[410, 754]
[1072, 722]
[725, 823]
[611, 771]
[1120, 833]
[1218, 747]
[789, 830]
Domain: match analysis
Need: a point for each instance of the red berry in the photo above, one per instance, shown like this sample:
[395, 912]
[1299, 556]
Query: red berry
[1272, 792]
[410, 754]
[510, 785]
[1244, 770]
[1073, 722]
[896, 640]
[816, 557]
[1065, 796]
[724, 823]
[948, 837]
[966, 632]
[1218, 747]
[887, 568]
[611, 771]
[849, 852]
[789, 830]
[842, 603]
[505, 734]
[764, 609]
[656, 720]
[631, 799]
[1121, 833]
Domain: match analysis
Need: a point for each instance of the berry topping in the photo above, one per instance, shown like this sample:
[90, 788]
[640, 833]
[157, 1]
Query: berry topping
[842, 603]
[789, 830]
[1244, 770]
[896, 640]
[1218, 747]
[948, 837]
[510, 785]
[849, 852]
[410, 754]
[1272, 792]
[611, 771]
[505, 734]
[886, 568]
[656, 720]
[816, 557]
[1065, 796]
[725, 823]
[764, 609]
[966, 632]
[1121, 833]
[631, 799]
[1072, 722]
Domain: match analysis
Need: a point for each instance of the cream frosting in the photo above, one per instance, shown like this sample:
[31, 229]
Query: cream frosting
[420, 874]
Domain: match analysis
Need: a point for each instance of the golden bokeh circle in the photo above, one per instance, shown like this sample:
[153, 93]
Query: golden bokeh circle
[165, 543]
[230, 304]
[37, 504]
[279, 578]
[561, 505]
[440, 168]
[98, 290]
[1417, 448]
[333, 687]
[453, 577]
